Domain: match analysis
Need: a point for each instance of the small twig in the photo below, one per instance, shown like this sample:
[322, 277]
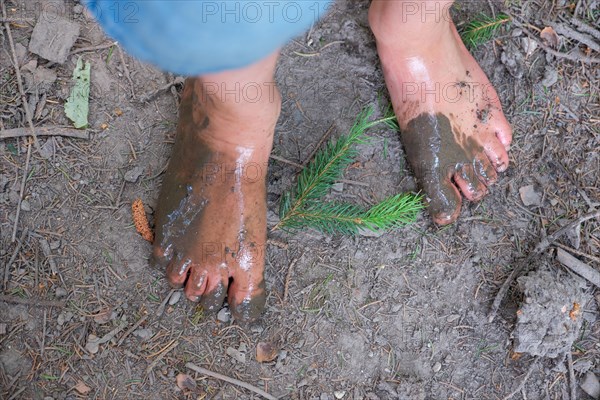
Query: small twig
[27, 115]
[93, 48]
[579, 267]
[564, 30]
[43, 344]
[285, 161]
[5, 20]
[277, 243]
[524, 381]
[572, 57]
[17, 393]
[585, 28]
[539, 248]
[126, 71]
[13, 258]
[161, 308]
[573, 180]
[579, 253]
[316, 148]
[161, 356]
[572, 383]
[151, 95]
[233, 381]
[45, 131]
[130, 330]
[288, 279]
[31, 301]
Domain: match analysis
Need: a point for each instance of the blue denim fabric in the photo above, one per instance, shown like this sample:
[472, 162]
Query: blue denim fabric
[194, 37]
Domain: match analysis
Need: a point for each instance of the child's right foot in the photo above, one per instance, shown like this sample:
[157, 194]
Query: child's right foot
[211, 215]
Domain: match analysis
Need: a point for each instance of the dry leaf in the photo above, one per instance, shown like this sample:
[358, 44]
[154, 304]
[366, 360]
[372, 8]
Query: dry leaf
[515, 356]
[82, 388]
[103, 316]
[265, 352]
[550, 37]
[141, 221]
[575, 311]
[185, 382]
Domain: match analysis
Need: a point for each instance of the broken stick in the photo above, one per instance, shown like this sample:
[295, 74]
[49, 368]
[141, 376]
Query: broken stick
[45, 131]
[233, 381]
[578, 266]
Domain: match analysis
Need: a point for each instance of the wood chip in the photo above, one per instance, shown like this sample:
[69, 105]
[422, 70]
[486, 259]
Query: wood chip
[265, 352]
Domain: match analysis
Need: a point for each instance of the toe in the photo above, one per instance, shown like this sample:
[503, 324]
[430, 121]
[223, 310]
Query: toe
[503, 131]
[196, 284]
[216, 290]
[177, 271]
[484, 170]
[444, 201]
[470, 185]
[247, 290]
[496, 153]
[246, 299]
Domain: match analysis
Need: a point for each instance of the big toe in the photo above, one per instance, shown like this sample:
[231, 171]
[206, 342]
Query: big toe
[247, 295]
[444, 202]
[160, 257]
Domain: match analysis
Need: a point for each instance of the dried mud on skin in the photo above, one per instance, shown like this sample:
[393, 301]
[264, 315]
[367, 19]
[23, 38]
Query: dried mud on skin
[400, 316]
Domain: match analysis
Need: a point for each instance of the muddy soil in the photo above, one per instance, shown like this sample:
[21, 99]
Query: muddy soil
[399, 316]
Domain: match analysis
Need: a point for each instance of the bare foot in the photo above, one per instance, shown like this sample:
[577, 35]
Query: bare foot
[453, 129]
[211, 216]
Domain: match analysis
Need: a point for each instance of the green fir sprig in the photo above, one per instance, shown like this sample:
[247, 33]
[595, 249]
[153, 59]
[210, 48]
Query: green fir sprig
[482, 29]
[301, 207]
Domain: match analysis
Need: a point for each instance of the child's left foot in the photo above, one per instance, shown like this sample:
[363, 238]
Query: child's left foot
[453, 129]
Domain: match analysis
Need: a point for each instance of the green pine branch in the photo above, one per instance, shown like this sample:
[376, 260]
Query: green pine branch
[347, 219]
[482, 29]
[301, 207]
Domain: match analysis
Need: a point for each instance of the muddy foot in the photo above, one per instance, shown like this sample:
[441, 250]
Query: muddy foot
[453, 129]
[211, 216]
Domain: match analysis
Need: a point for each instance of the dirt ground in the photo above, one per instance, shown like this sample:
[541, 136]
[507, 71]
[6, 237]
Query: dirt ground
[399, 316]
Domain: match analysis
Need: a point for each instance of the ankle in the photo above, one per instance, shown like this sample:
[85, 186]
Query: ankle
[405, 25]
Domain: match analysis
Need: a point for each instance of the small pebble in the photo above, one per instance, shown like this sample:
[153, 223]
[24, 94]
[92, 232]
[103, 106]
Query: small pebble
[591, 385]
[339, 394]
[133, 174]
[236, 355]
[25, 206]
[550, 77]
[64, 317]
[530, 196]
[92, 344]
[143, 333]
[60, 292]
[175, 298]
[452, 318]
[338, 186]
[437, 367]
[224, 315]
